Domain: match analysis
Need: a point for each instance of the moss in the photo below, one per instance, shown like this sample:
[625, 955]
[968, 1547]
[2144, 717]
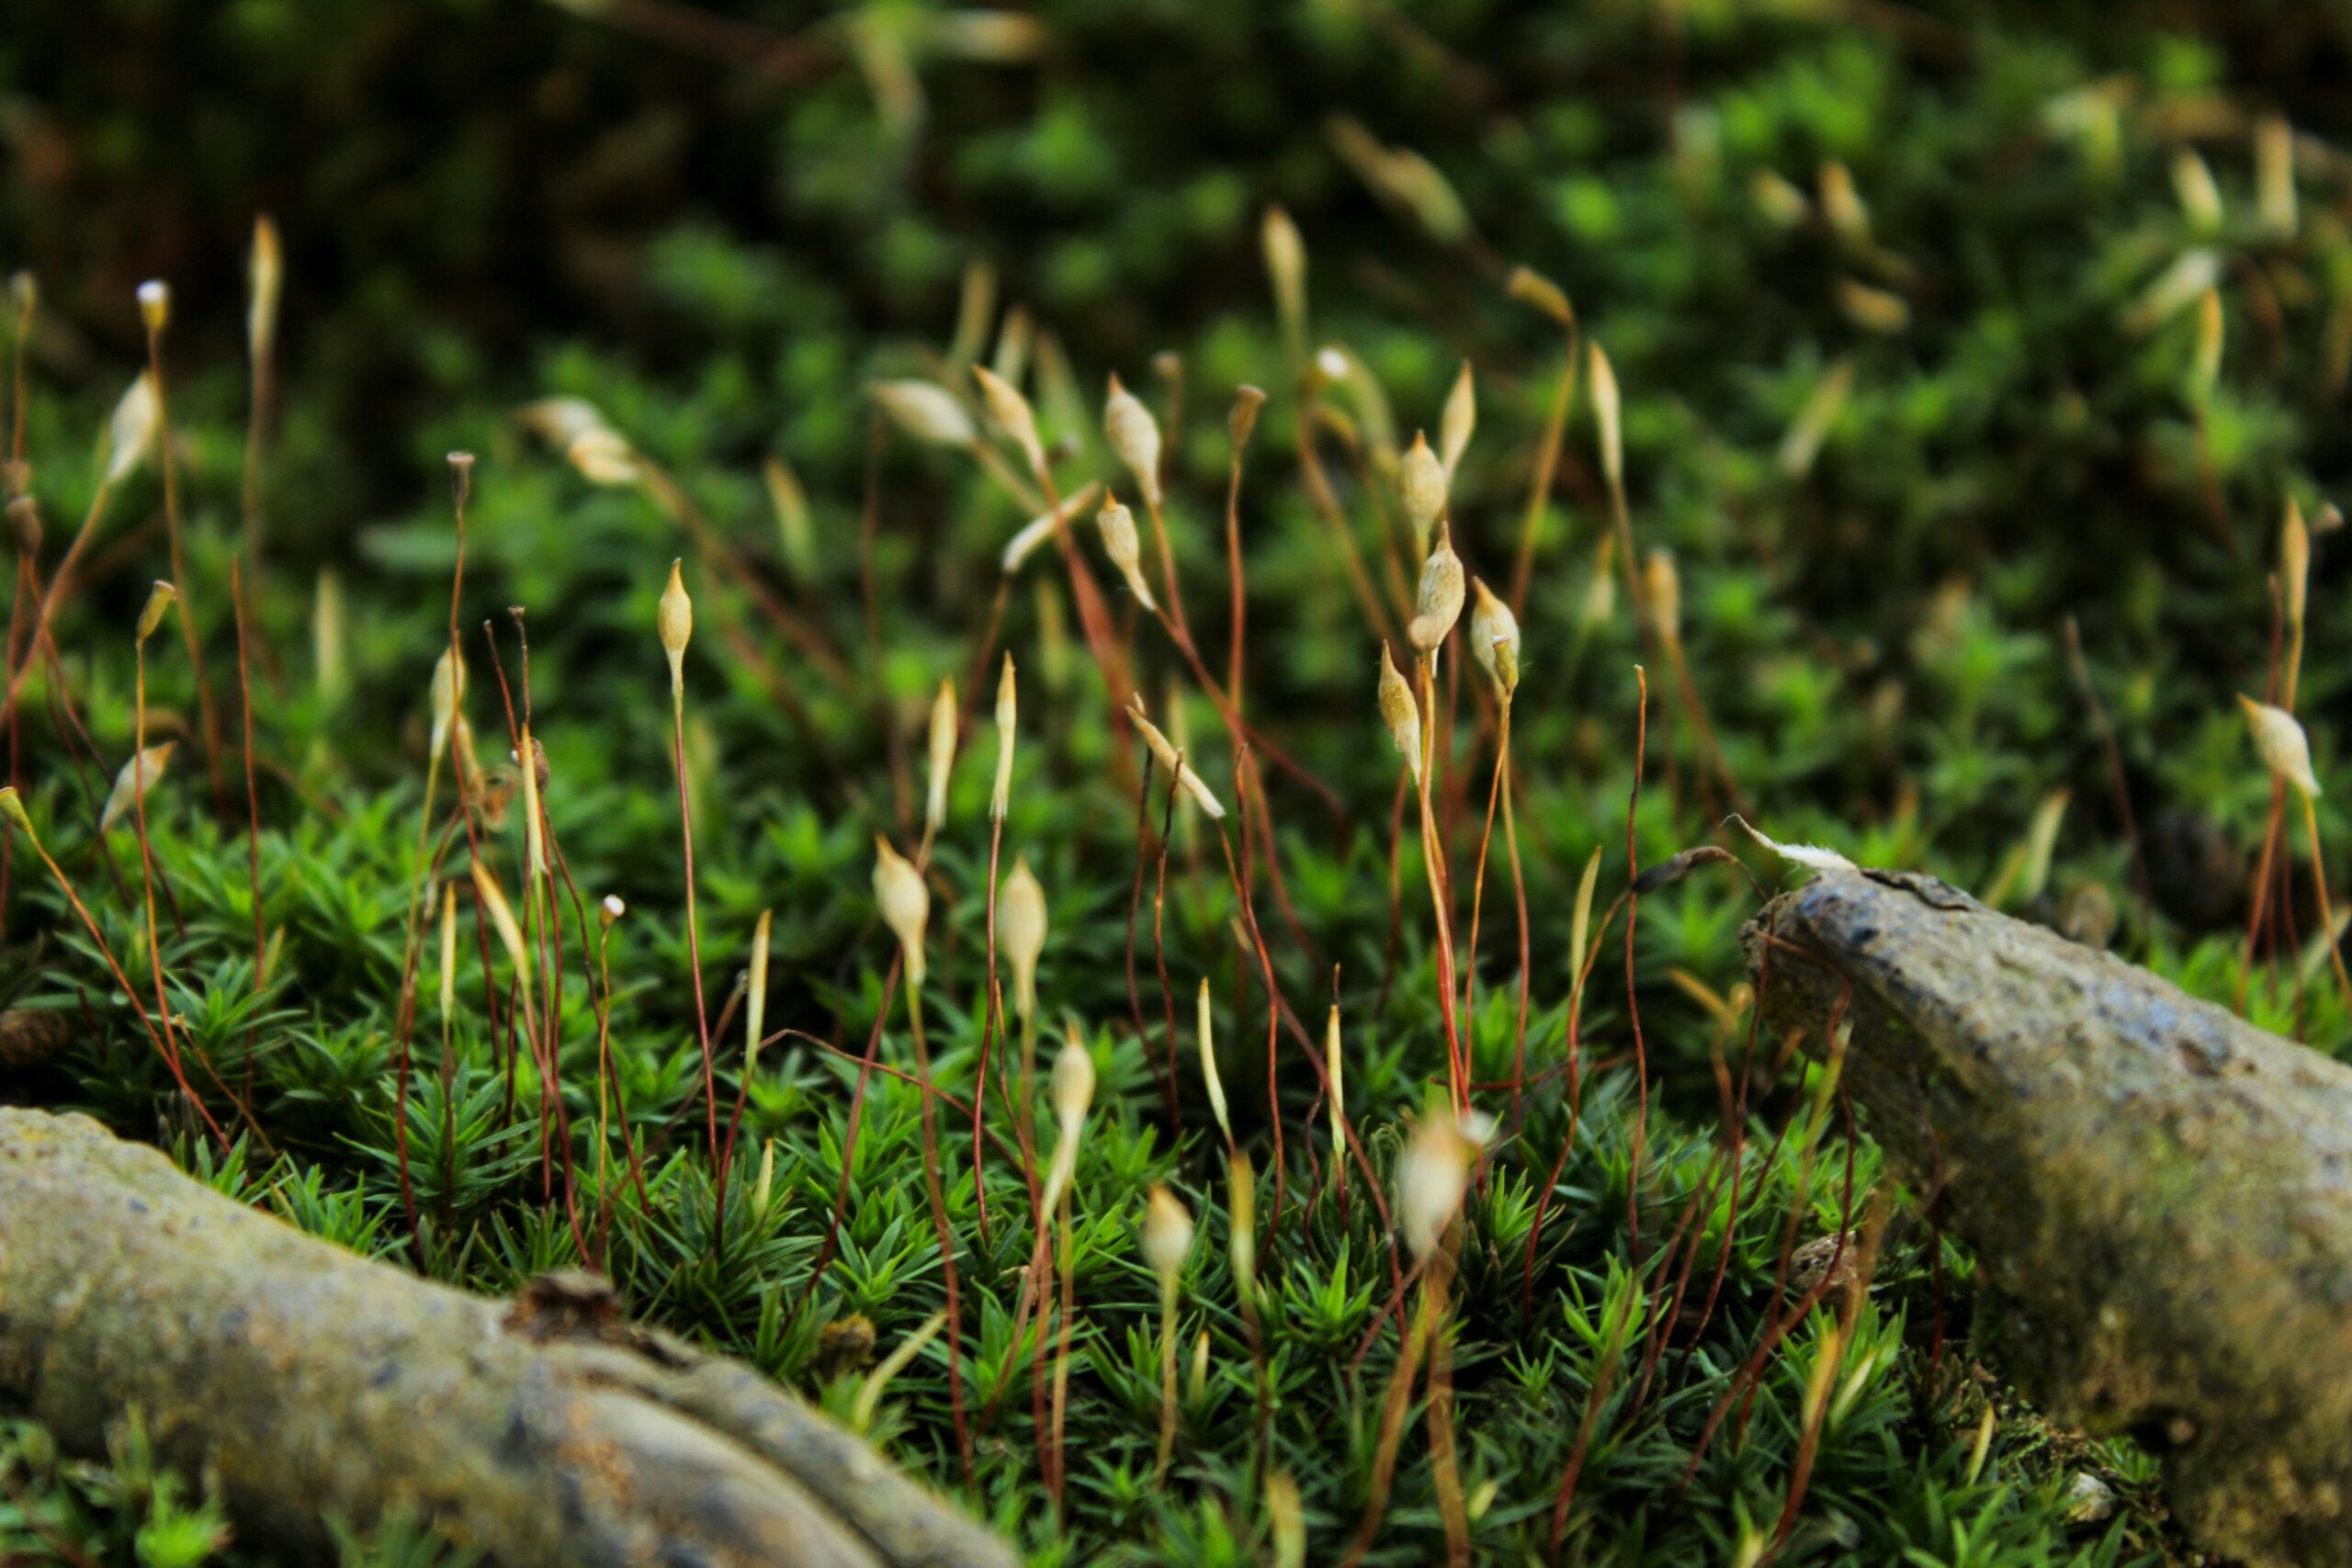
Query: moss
[723, 248]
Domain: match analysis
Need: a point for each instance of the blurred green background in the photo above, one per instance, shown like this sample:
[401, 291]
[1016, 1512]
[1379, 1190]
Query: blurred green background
[461, 181]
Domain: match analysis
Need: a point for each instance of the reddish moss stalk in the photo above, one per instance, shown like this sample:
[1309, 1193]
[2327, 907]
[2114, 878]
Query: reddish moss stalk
[1632, 998]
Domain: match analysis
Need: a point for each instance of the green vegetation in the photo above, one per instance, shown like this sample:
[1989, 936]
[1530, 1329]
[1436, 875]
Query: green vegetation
[1947, 345]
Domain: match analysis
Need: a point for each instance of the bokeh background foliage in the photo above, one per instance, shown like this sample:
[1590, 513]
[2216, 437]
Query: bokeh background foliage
[721, 224]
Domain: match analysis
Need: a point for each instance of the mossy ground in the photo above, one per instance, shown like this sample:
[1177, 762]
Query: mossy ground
[1890, 463]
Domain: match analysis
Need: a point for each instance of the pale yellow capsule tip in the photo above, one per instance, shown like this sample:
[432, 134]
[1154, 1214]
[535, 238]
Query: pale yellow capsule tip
[1021, 930]
[1421, 481]
[675, 620]
[1663, 586]
[2295, 562]
[1205, 1029]
[941, 754]
[1335, 1065]
[2279, 738]
[904, 902]
[160, 600]
[1432, 1176]
[1400, 713]
[1074, 1081]
[1012, 412]
[1607, 410]
[1494, 637]
[1008, 713]
[1286, 263]
[1134, 437]
[925, 410]
[1120, 543]
[133, 780]
[1241, 1201]
[1167, 1234]
[1164, 752]
[1460, 419]
[1439, 605]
